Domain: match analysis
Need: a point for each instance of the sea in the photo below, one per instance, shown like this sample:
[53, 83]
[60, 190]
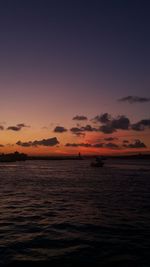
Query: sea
[67, 212]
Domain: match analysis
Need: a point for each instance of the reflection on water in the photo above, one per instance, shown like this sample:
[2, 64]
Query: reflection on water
[66, 210]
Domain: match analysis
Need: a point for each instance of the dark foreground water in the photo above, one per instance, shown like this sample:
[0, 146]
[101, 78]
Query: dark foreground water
[70, 213]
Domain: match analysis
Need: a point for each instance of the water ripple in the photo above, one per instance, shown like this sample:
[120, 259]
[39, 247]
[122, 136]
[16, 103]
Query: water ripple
[67, 212]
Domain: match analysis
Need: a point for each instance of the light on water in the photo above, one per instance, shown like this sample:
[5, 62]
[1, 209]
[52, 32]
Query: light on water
[70, 212]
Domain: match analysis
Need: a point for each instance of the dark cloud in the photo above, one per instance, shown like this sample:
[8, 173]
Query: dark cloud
[111, 125]
[112, 146]
[78, 144]
[125, 141]
[121, 123]
[18, 127]
[110, 138]
[25, 144]
[141, 125]
[60, 129]
[145, 122]
[72, 145]
[98, 145]
[107, 129]
[76, 130]
[1, 145]
[1, 128]
[79, 131]
[84, 145]
[14, 128]
[137, 127]
[88, 128]
[45, 142]
[136, 144]
[80, 118]
[21, 125]
[103, 118]
[134, 99]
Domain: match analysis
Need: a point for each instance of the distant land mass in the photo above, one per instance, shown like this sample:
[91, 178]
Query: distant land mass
[12, 157]
[16, 156]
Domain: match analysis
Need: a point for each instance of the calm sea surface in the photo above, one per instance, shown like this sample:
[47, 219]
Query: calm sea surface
[68, 211]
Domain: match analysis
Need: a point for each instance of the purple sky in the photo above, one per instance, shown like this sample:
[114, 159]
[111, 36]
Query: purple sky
[63, 58]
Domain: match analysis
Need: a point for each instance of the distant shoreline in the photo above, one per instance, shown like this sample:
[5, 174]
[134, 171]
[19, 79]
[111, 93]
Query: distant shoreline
[23, 157]
[143, 156]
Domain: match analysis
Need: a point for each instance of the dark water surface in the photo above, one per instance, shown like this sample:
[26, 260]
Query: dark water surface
[68, 211]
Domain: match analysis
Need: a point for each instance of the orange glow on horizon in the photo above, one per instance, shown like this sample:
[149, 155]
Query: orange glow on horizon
[10, 138]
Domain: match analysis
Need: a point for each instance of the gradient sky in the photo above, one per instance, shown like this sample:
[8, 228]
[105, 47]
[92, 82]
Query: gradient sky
[59, 59]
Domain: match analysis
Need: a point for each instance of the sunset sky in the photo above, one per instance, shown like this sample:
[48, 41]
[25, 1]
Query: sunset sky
[74, 76]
